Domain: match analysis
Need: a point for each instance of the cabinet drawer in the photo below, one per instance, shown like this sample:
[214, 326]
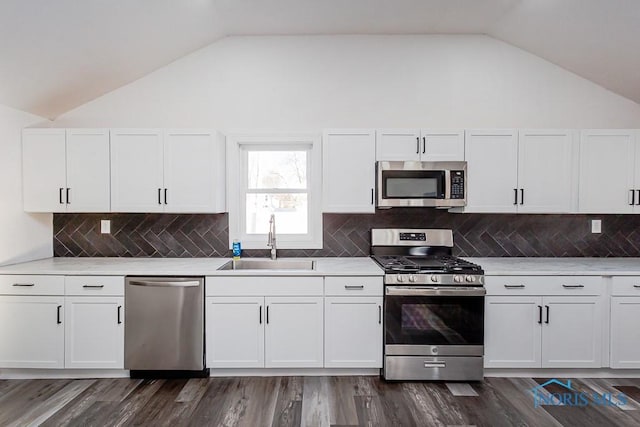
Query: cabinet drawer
[626, 286]
[263, 286]
[544, 285]
[94, 285]
[353, 286]
[27, 284]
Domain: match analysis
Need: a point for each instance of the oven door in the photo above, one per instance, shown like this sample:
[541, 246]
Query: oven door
[434, 321]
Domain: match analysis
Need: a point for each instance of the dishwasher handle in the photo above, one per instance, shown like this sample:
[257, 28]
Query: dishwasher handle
[165, 283]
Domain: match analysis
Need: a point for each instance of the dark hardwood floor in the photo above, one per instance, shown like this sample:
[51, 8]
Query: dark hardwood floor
[315, 401]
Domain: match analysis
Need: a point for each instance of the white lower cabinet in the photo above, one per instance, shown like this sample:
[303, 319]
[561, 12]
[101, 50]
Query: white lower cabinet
[294, 332]
[235, 332]
[94, 332]
[353, 332]
[625, 334]
[32, 331]
[561, 329]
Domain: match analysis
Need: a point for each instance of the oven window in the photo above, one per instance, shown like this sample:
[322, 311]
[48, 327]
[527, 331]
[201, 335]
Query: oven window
[434, 320]
[413, 184]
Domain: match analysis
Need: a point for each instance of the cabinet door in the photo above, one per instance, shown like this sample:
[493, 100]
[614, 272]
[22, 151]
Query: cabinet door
[136, 171]
[545, 168]
[512, 332]
[606, 171]
[443, 145]
[294, 332]
[349, 171]
[353, 332]
[492, 171]
[88, 170]
[572, 337]
[193, 163]
[94, 332]
[235, 332]
[31, 332]
[398, 144]
[625, 334]
[43, 170]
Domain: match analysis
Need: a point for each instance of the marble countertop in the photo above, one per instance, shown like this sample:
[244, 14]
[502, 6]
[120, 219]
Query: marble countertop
[559, 266]
[362, 266]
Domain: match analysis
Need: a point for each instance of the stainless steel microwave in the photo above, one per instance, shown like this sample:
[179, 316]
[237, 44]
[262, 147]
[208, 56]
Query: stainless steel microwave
[421, 184]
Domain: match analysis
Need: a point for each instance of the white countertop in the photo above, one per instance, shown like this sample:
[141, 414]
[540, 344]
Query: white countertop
[558, 266]
[362, 266]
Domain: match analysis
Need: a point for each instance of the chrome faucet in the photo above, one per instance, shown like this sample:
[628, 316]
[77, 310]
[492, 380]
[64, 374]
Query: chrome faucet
[271, 242]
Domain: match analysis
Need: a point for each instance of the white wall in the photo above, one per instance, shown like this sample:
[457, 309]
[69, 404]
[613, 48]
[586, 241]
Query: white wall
[23, 236]
[315, 82]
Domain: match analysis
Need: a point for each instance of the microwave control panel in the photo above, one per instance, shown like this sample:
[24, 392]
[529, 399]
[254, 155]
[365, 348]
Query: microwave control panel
[457, 184]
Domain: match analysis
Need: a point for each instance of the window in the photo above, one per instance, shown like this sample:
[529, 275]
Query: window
[277, 176]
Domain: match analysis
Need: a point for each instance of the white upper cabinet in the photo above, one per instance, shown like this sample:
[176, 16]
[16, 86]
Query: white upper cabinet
[416, 144]
[194, 171]
[530, 171]
[607, 163]
[348, 171]
[137, 171]
[545, 171]
[173, 171]
[492, 170]
[65, 170]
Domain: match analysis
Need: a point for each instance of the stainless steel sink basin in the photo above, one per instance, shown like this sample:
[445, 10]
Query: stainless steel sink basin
[267, 264]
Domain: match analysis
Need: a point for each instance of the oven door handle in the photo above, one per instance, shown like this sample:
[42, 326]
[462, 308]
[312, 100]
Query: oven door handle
[434, 291]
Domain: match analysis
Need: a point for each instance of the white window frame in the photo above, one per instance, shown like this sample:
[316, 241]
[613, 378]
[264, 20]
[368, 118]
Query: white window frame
[237, 145]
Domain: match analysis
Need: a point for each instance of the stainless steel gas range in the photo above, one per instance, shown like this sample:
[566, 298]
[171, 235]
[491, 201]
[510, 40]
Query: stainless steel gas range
[433, 307]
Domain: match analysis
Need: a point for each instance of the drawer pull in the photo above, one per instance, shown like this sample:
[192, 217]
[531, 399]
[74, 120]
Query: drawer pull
[435, 365]
[573, 286]
[636, 286]
[24, 284]
[514, 286]
[354, 287]
[93, 286]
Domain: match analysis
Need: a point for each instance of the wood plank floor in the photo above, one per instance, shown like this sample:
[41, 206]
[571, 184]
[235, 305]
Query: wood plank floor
[310, 401]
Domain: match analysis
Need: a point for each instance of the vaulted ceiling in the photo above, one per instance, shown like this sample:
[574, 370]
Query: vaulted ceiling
[57, 55]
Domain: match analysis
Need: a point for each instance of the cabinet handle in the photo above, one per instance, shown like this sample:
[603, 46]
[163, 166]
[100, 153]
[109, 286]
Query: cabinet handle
[522, 196]
[354, 287]
[424, 144]
[68, 195]
[372, 196]
[417, 145]
[638, 199]
[24, 284]
[547, 318]
[379, 314]
[165, 196]
[267, 315]
[119, 314]
[573, 286]
[260, 314]
[59, 321]
[60, 195]
[515, 196]
[93, 286]
[633, 198]
[159, 196]
[514, 286]
[540, 314]
[635, 286]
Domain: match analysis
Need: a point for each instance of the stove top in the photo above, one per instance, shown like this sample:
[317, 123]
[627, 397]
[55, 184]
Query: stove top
[443, 264]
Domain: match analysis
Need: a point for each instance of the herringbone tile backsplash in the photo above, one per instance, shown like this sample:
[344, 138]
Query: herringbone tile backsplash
[478, 235]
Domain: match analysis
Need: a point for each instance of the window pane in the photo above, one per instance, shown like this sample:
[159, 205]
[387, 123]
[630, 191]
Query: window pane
[290, 211]
[277, 169]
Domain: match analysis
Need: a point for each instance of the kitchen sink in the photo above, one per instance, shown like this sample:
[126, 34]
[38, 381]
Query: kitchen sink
[267, 264]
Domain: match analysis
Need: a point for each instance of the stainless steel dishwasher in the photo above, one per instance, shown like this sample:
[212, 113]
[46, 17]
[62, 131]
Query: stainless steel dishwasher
[164, 328]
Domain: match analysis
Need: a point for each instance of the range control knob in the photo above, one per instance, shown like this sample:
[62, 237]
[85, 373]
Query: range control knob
[412, 278]
[457, 279]
[470, 279]
[400, 278]
[434, 278]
